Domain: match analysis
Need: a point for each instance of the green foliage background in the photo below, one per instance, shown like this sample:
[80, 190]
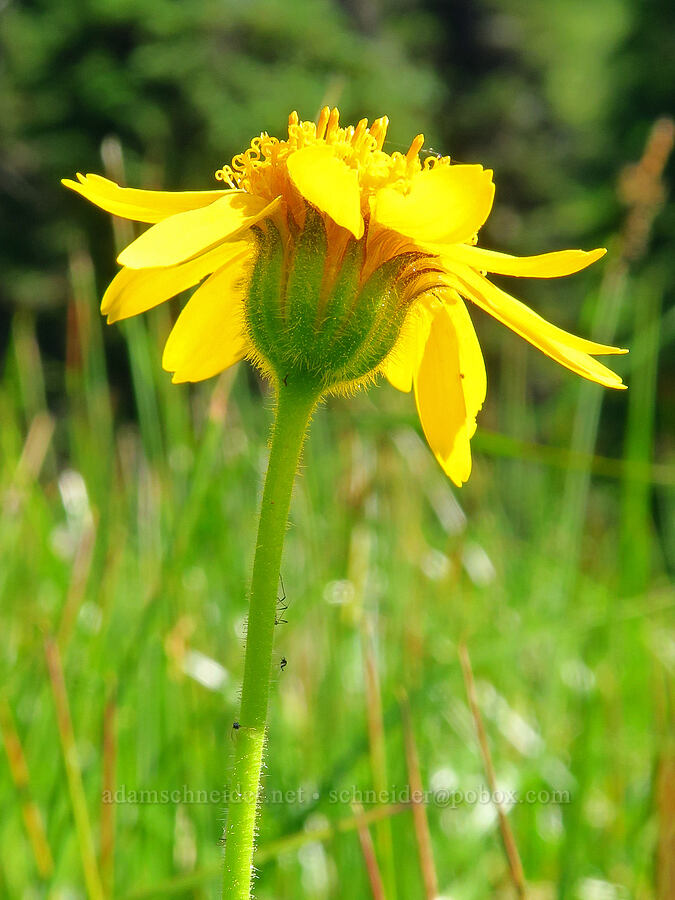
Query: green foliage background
[127, 505]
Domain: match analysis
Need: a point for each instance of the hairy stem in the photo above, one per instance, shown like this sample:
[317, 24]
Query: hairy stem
[295, 405]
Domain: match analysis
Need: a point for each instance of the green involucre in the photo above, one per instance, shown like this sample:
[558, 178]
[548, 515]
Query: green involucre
[314, 321]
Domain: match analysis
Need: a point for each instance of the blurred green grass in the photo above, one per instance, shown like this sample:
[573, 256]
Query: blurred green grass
[126, 551]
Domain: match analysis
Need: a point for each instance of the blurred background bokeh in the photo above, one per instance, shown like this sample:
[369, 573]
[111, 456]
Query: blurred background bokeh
[127, 505]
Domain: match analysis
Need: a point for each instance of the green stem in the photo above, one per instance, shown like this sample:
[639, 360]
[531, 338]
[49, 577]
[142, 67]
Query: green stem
[294, 408]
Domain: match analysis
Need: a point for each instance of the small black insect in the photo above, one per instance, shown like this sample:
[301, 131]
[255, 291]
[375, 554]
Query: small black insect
[282, 606]
[431, 152]
[283, 663]
[235, 727]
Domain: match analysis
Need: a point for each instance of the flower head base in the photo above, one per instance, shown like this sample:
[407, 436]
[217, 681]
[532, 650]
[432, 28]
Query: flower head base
[331, 261]
[330, 289]
[325, 317]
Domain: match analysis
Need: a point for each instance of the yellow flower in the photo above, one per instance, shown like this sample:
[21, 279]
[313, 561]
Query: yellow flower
[329, 258]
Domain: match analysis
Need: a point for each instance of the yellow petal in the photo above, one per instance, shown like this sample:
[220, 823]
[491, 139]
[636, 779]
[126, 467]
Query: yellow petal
[446, 204]
[142, 206]
[545, 265]
[567, 349]
[210, 335]
[186, 234]
[471, 363]
[133, 291]
[329, 184]
[403, 361]
[440, 398]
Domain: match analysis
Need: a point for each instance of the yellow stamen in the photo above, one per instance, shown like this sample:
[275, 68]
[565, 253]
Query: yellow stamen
[333, 124]
[415, 147]
[361, 129]
[322, 123]
[378, 130]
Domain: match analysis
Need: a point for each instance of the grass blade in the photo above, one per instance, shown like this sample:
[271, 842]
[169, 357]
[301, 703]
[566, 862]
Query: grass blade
[368, 850]
[29, 810]
[71, 761]
[508, 840]
[419, 811]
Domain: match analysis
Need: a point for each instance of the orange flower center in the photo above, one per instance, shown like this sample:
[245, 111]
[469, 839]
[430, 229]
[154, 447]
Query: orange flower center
[261, 169]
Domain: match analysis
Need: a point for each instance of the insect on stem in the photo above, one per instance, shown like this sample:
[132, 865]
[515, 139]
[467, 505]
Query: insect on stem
[282, 606]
